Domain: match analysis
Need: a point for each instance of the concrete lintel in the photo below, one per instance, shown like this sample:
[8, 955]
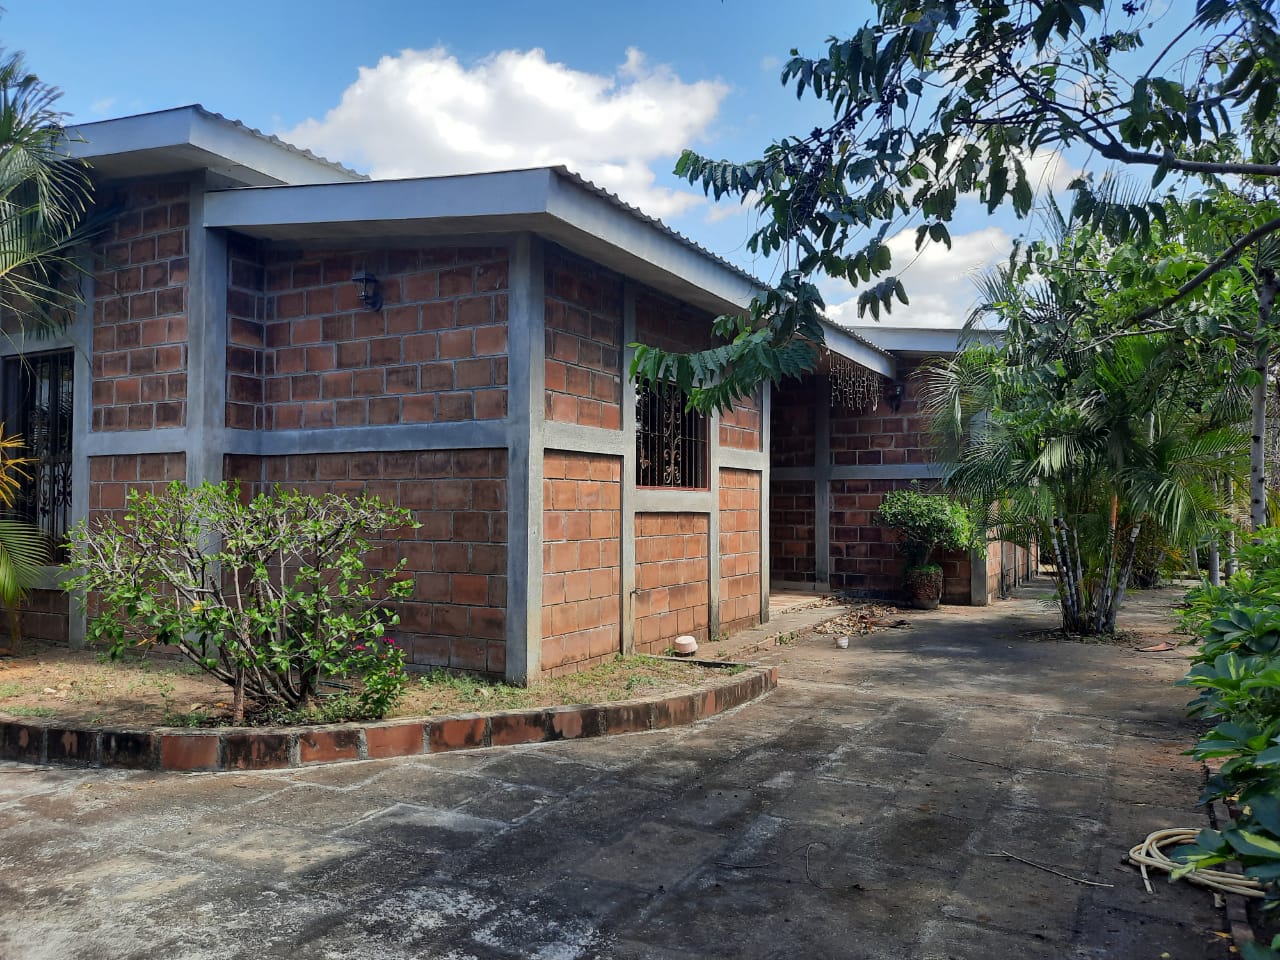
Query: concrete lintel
[732, 458]
[580, 439]
[466, 435]
[654, 500]
[526, 391]
[894, 471]
[125, 443]
[22, 343]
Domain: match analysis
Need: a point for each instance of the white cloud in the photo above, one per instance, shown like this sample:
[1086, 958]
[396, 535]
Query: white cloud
[99, 108]
[732, 207]
[939, 282]
[423, 113]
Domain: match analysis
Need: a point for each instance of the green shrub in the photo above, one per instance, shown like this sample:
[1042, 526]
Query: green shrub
[925, 522]
[1236, 673]
[270, 595]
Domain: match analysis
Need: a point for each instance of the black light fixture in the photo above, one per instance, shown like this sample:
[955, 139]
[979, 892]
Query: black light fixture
[894, 393]
[368, 291]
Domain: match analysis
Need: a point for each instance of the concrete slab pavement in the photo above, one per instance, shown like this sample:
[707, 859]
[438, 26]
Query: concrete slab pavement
[864, 810]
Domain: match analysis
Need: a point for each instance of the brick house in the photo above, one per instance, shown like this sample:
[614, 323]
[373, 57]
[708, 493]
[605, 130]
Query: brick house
[565, 515]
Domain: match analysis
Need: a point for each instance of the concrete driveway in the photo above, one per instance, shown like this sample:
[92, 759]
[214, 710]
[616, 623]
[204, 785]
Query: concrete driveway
[864, 810]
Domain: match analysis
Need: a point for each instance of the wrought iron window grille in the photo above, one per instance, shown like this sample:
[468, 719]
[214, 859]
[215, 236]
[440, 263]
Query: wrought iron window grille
[38, 407]
[671, 441]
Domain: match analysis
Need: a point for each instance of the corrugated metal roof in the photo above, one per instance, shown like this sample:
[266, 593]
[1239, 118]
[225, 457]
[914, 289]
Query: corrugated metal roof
[272, 139]
[634, 211]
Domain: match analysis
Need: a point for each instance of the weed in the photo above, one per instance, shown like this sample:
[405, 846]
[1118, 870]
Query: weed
[31, 711]
[736, 669]
[639, 681]
[11, 690]
[191, 718]
[784, 639]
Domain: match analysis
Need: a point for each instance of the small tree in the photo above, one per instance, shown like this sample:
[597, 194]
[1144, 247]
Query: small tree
[270, 594]
[925, 523]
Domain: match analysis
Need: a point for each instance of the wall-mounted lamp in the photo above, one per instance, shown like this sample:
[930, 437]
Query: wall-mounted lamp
[894, 393]
[368, 290]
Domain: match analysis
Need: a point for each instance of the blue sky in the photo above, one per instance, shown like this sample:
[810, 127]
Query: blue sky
[421, 88]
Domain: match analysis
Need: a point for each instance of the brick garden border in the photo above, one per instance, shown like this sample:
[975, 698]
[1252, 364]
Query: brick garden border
[274, 748]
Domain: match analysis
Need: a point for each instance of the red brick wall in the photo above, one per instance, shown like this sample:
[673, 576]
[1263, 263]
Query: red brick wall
[458, 557]
[739, 549]
[246, 334]
[740, 426]
[140, 309]
[670, 324]
[111, 478]
[437, 351]
[581, 560]
[883, 436]
[792, 430]
[43, 615]
[583, 342]
[791, 522]
[672, 573]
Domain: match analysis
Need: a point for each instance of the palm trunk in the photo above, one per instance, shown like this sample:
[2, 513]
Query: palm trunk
[1122, 585]
[1231, 535]
[1267, 290]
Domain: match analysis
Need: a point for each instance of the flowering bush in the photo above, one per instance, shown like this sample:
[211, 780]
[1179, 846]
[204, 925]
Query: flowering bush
[271, 595]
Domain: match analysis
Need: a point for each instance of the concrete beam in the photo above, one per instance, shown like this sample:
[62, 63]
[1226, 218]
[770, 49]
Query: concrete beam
[897, 471]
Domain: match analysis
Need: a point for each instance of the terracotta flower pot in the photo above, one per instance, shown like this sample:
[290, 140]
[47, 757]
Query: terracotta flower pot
[923, 586]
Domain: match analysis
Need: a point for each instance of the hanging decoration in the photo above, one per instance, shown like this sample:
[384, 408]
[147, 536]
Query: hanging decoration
[853, 386]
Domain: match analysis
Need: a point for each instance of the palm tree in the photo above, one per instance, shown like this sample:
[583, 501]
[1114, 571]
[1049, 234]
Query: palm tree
[1080, 449]
[44, 198]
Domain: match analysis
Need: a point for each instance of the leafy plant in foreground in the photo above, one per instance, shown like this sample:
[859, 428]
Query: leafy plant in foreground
[269, 594]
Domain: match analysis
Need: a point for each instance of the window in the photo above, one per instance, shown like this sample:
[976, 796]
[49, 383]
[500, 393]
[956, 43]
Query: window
[671, 442]
[37, 406]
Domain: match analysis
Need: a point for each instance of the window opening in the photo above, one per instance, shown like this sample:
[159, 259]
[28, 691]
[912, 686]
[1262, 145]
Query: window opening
[38, 407]
[671, 441]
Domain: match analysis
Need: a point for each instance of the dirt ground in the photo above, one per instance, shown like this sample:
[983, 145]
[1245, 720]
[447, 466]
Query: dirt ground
[84, 688]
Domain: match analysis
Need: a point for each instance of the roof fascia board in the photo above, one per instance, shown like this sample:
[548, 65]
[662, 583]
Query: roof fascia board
[591, 213]
[848, 346]
[231, 147]
[522, 192]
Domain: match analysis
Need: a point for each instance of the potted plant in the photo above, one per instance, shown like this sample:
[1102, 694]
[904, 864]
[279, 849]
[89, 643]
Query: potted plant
[925, 522]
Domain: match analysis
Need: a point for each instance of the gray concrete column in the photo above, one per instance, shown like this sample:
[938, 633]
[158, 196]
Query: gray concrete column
[526, 326]
[766, 415]
[627, 516]
[206, 345]
[822, 485]
[713, 528]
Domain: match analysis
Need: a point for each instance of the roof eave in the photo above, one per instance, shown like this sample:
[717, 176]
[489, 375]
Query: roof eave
[540, 200]
[191, 138]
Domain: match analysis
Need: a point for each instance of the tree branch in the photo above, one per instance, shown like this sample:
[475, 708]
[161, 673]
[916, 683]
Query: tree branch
[1225, 260]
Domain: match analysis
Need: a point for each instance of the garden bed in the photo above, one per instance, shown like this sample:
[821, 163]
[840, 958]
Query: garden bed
[85, 689]
[629, 695]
